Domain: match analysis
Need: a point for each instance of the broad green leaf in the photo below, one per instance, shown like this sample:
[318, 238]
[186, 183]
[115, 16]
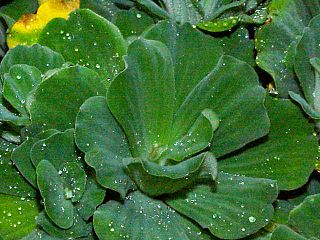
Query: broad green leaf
[104, 40]
[143, 218]
[10, 117]
[308, 211]
[274, 40]
[283, 232]
[58, 149]
[51, 186]
[288, 154]
[75, 178]
[234, 208]
[92, 197]
[100, 137]
[39, 235]
[307, 67]
[220, 25]
[239, 45]
[17, 216]
[16, 8]
[80, 228]
[153, 8]
[136, 97]
[282, 210]
[105, 8]
[12, 183]
[19, 83]
[138, 20]
[156, 180]
[21, 157]
[206, 79]
[56, 101]
[305, 106]
[45, 59]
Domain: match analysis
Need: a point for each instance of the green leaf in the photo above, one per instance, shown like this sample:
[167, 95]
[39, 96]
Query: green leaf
[220, 25]
[38, 56]
[16, 8]
[104, 40]
[92, 197]
[51, 186]
[307, 67]
[236, 207]
[57, 100]
[76, 178]
[19, 83]
[239, 45]
[288, 154]
[308, 210]
[304, 105]
[58, 149]
[153, 8]
[12, 183]
[10, 117]
[283, 232]
[100, 137]
[138, 20]
[39, 235]
[79, 229]
[274, 40]
[213, 86]
[136, 96]
[17, 216]
[143, 218]
[105, 8]
[21, 157]
[157, 180]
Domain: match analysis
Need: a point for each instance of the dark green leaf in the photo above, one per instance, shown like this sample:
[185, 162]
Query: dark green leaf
[39, 235]
[101, 138]
[79, 229]
[51, 186]
[105, 8]
[57, 100]
[157, 180]
[104, 40]
[287, 155]
[283, 232]
[38, 56]
[21, 157]
[274, 40]
[236, 207]
[19, 83]
[308, 211]
[143, 218]
[16, 8]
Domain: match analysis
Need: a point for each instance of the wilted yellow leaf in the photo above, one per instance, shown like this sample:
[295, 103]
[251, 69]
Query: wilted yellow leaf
[27, 29]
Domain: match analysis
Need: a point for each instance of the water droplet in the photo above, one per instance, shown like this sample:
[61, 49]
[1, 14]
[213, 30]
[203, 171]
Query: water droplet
[252, 219]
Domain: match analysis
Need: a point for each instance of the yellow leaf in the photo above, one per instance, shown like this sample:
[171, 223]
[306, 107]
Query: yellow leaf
[27, 29]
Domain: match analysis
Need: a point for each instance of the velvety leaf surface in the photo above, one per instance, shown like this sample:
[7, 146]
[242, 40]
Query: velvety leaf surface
[308, 210]
[307, 67]
[234, 208]
[274, 40]
[92, 197]
[19, 83]
[206, 79]
[79, 229]
[64, 92]
[101, 138]
[51, 186]
[21, 157]
[288, 154]
[12, 183]
[105, 8]
[136, 97]
[107, 45]
[58, 149]
[143, 218]
[138, 20]
[45, 59]
[17, 216]
[10, 117]
[157, 180]
[283, 232]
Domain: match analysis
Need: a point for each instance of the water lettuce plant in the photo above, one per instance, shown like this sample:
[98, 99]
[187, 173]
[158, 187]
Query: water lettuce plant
[153, 129]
